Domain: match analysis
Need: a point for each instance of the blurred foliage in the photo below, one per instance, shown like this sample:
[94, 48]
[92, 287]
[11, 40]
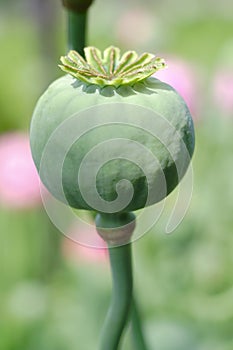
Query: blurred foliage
[184, 281]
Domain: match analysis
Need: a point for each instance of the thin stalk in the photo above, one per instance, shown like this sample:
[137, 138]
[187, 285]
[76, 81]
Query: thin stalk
[119, 310]
[138, 339]
[117, 230]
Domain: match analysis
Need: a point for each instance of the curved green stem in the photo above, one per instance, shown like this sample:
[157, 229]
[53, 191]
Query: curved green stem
[136, 329]
[116, 230]
[118, 313]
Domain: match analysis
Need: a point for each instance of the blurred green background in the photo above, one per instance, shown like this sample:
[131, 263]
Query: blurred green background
[54, 295]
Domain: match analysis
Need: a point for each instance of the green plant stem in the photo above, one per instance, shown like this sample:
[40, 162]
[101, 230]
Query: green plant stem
[116, 230]
[138, 340]
[77, 31]
[119, 310]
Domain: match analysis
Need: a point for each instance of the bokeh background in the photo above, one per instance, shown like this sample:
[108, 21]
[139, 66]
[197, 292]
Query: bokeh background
[53, 293]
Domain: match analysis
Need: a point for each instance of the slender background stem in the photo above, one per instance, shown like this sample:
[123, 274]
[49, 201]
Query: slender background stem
[77, 31]
[77, 11]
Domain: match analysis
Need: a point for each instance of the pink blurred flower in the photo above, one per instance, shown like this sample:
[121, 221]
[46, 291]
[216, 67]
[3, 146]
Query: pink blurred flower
[223, 91]
[135, 27]
[181, 76]
[19, 181]
[84, 245]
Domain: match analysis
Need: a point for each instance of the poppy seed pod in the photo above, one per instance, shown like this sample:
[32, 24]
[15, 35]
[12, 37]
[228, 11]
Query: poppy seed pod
[108, 137]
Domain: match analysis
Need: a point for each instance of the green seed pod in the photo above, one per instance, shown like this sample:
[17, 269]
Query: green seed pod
[119, 139]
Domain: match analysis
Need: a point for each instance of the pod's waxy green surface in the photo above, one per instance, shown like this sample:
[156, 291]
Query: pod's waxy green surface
[121, 88]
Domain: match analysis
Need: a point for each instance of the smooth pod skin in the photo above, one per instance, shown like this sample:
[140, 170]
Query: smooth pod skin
[67, 97]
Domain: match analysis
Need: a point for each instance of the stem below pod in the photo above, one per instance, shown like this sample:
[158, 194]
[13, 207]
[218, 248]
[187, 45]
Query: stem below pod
[122, 277]
[118, 313]
[138, 339]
